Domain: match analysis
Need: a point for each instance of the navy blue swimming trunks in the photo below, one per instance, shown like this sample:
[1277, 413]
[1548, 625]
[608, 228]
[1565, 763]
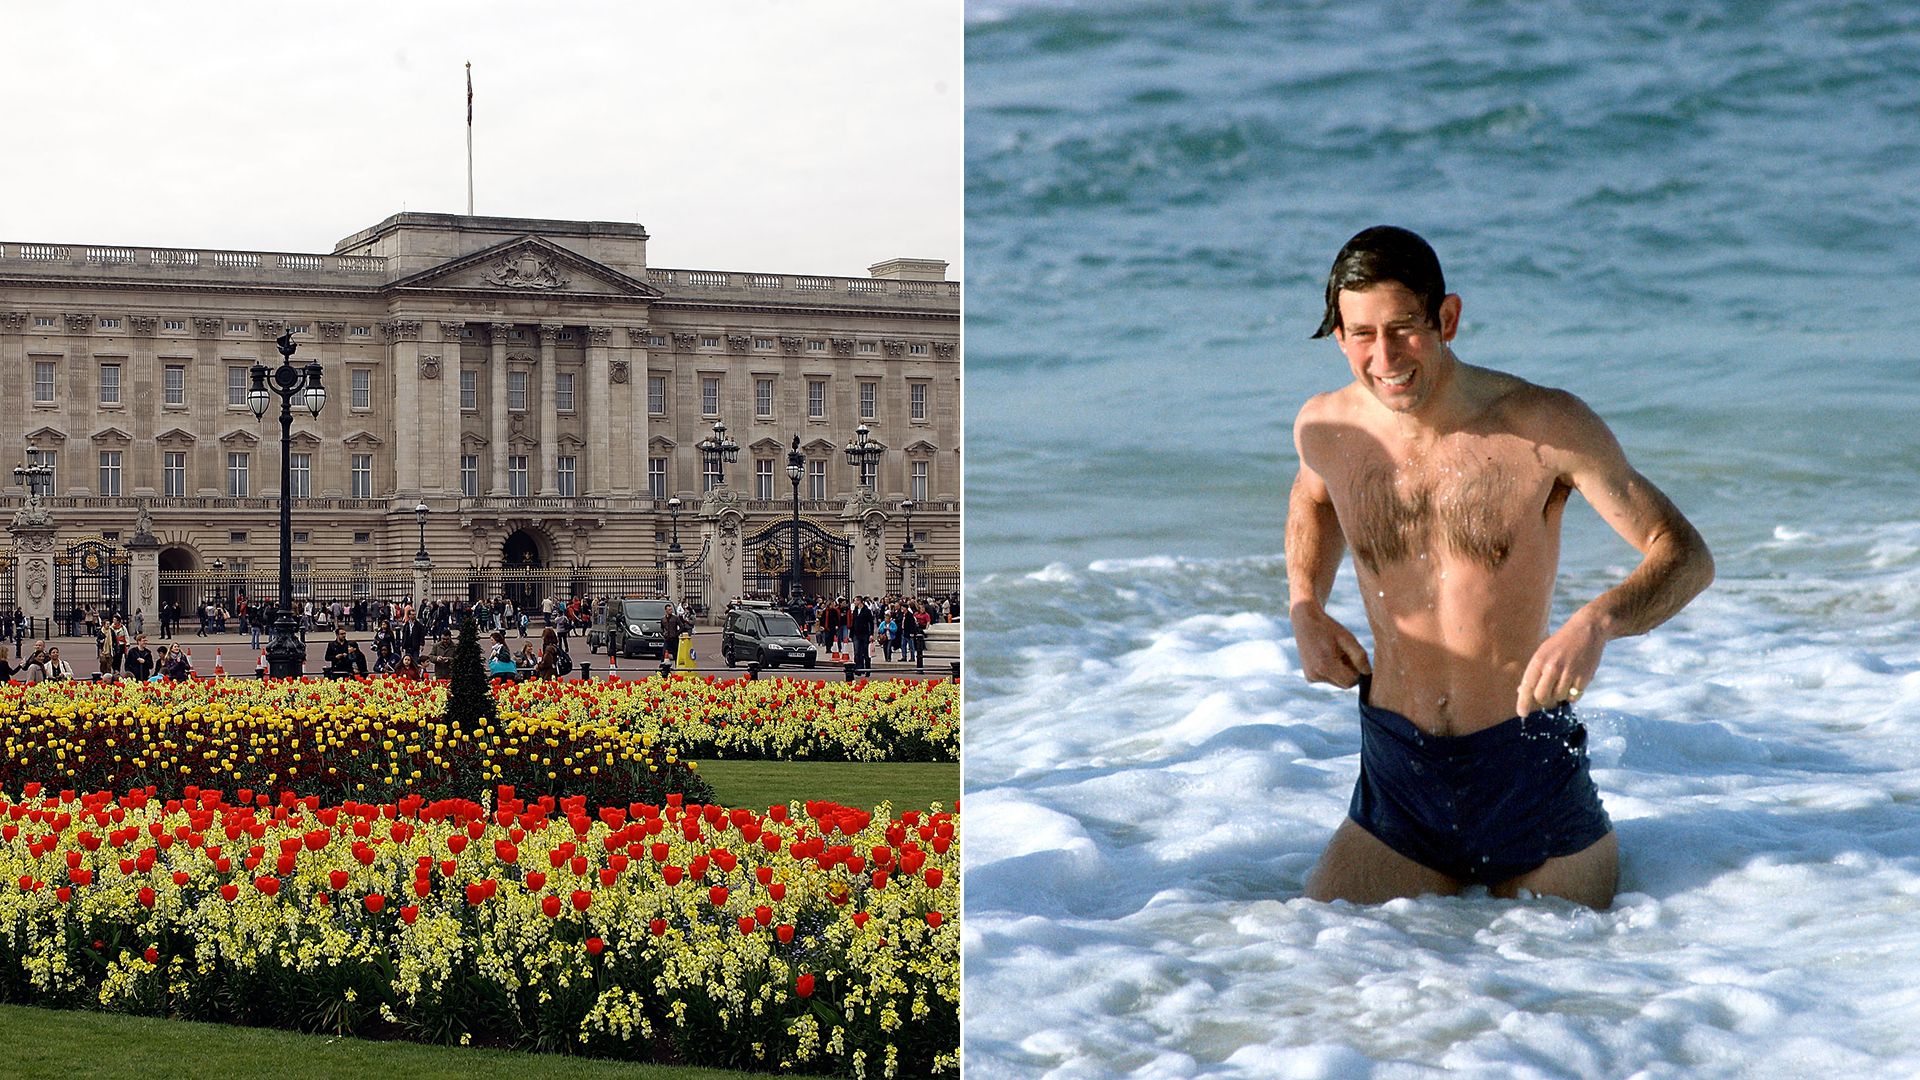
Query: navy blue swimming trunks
[1480, 808]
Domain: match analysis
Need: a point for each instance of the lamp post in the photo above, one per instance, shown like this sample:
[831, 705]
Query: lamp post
[219, 583]
[420, 515]
[31, 474]
[796, 467]
[715, 451]
[906, 507]
[862, 453]
[673, 508]
[286, 656]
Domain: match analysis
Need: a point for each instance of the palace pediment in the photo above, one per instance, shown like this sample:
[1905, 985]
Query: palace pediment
[527, 266]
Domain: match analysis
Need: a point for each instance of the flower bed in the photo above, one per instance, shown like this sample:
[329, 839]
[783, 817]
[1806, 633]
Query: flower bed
[374, 738]
[817, 939]
[778, 719]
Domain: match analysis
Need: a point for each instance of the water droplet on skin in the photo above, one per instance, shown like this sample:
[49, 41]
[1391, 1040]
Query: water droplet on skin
[1383, 593]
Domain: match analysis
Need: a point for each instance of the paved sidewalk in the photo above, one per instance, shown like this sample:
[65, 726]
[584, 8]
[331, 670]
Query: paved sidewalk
[237, 656]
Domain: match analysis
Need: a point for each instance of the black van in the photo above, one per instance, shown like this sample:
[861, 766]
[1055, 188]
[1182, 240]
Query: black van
[629, 627]
[765, 636]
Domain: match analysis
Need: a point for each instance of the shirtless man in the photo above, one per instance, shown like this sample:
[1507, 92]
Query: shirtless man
[1449, 482]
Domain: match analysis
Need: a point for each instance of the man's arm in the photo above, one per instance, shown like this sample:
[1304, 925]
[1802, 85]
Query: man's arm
[1675, 564]
[1329, 652]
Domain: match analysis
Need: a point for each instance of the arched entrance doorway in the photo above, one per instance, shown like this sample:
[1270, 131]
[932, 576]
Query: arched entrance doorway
[521, 560]
[175, 563]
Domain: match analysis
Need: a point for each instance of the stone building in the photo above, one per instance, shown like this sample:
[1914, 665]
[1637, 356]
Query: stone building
[534, 384]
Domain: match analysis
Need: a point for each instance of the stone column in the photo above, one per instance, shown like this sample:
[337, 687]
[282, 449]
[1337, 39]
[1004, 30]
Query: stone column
[720, 533]
[910, 574]
[602, 441]
[143, 556]
[676, 567]
[403, 354]
[32, 531]
[550, 416]
[866, 526]
[497, 392]
[422, 580]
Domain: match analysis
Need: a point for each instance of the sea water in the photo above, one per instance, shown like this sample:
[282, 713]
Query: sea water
[1699, 217]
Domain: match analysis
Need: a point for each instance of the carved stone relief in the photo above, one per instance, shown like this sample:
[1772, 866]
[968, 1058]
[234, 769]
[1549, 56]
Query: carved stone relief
[943, 349]
[527, 270]
[843, 346]
[79, 324]
[142, 324]
[684, 342]
[333, 331]
[37, 579]
[208, 327]
[792, 346]
[639, 336]
[270, 328]
[16, 321]
[739, 342]
[402, 329]
[894, 348]
[599, 335]
[617, 371]
[429, 367]
[451, 331]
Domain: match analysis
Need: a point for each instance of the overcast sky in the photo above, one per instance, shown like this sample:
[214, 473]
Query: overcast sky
[802, 137]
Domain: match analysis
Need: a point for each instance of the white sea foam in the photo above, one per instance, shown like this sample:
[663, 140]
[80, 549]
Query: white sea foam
[1149, 788]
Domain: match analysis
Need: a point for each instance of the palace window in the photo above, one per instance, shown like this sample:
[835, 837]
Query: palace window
[470, 475]
[300, 476]
[657, 477]
[763, 343]
[563, 391]
[869, 394]
[710, 396]
[763, 478]
[237, 328]
[362, 389]
[919, 487]
[869, 347]
[657, 395]
[173, 381]
[517, 475]
[109, 384]
[563, 475]
[917, 400]
[43, 382]
[816, 399]
[362, 477]
[110, 473]
[109, 324]
[469, 391]
[238, 462]
[516, 391]
[709, 342]
[236, 386]
[43, 320]
[360, 331]
[763, 397]
[173, 473]
[816, 479]
[917, 350]
[709, 474]
[173, 324]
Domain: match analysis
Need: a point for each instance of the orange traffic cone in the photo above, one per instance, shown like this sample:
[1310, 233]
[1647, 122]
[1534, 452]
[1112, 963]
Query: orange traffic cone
[188, 653]
[260, 666]
[613, 665]
[219, 669]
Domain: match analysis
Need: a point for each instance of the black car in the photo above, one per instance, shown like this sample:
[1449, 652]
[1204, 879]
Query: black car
[764, 636]
[630, 628]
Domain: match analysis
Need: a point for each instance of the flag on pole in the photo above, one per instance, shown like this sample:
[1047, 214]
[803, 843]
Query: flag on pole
[469, 93]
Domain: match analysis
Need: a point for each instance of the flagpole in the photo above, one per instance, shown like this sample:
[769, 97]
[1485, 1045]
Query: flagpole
[469, 138]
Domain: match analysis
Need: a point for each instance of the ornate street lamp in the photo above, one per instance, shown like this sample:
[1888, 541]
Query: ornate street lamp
[420, 515]
[673, 508]
[286, 656]
[32, 474]
[716, 450]
[906, 507]
[796, 468]
[862, 453]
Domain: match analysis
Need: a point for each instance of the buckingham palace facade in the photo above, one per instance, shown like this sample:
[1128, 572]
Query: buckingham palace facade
[535, 385]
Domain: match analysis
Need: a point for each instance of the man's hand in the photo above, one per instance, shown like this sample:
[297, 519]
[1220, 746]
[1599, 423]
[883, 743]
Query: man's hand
[1329, 652]
[1563, 666]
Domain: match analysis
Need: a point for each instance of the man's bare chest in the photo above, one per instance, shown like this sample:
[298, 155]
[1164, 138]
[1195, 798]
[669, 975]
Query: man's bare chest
[1467, 502]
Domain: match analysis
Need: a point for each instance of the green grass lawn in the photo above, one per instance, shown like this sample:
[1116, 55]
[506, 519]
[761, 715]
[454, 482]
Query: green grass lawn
[760, 784]
[55, 1045]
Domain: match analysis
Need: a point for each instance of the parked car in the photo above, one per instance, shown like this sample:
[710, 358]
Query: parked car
[765, 636]
[629, 627]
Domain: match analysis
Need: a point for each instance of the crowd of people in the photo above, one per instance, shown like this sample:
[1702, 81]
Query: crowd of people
[410, 639]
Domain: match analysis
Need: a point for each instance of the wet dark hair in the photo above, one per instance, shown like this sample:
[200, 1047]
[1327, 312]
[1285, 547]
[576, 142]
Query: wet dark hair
[1376, 256]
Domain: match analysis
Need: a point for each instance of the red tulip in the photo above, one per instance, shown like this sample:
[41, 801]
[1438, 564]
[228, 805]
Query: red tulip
[374, 902]
[764, 914]
[933, 919]
[581, 899]
[268, 885]
[934, 877]
[457, 843]
[658, 926]
[536, 880]
[777, 890]
[63, 894]
[596, 946]
[338, 879]
[229, 893]
[146, 897]
[476, 893]
[784, 932]
[81, 877]
[671, 874]
[409, 913]
[151, 956]
[718, 894]
[506, 852]
[550, 906]
[803, 986]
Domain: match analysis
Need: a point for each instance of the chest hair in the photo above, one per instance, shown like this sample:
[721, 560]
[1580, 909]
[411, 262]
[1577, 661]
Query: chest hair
[1463, 511]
